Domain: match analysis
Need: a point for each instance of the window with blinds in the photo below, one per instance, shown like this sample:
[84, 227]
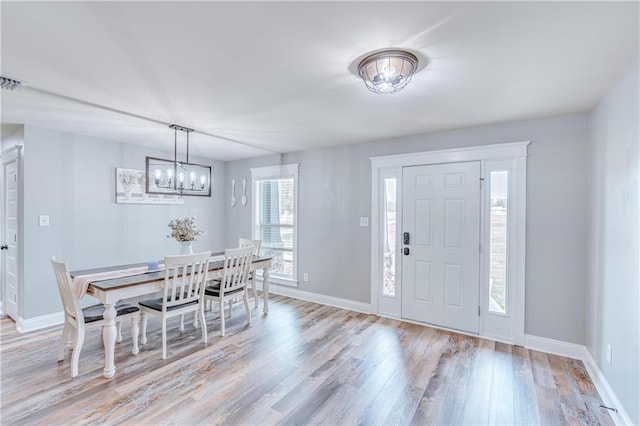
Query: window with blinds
[274, 216]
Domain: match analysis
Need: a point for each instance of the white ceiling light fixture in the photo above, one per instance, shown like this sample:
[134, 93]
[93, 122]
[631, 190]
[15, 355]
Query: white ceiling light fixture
[388, 71]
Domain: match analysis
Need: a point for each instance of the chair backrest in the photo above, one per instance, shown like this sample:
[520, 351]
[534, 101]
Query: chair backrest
[184, 278]
[236, 268]
[245, 242]
[70, 301]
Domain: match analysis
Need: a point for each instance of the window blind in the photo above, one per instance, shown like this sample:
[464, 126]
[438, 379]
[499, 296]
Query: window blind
[274, 217]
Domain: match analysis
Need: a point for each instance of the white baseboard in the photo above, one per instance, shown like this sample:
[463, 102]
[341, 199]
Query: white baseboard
[607, 394]
[31, 324]
[322, 299]
[555, 347]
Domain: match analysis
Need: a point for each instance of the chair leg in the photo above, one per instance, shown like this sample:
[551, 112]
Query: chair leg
[204, 323]
[222, 317]
[255, 293]
[119, 331]
[246, 306]
[76, 353]
[72, 341]
[143, 317]
[63, 340]
[164, 338]
[181, 324]
[195, 318]
[135, 319]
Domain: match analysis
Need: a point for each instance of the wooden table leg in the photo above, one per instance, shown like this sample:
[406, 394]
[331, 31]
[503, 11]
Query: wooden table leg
[135, 320]
[109, 339]
[265, 289]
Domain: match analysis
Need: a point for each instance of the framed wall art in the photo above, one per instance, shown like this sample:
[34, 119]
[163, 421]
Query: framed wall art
[130, 189]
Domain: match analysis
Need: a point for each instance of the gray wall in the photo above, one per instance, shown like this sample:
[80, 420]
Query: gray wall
[11, 135]
[613, 316]
[71, 178]
[335, 190]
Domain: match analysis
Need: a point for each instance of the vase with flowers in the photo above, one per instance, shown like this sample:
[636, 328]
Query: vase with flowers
[185, 231]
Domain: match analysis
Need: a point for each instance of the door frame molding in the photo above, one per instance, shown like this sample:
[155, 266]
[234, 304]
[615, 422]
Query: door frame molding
[391, 165]
[2, 208]
[9, 155]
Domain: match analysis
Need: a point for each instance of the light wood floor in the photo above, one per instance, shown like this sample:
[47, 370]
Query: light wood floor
[302, 364]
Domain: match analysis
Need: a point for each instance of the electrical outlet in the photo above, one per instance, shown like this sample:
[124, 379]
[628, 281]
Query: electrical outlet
[305, 276]
[364, 221]
[43, 220]
[609, 353]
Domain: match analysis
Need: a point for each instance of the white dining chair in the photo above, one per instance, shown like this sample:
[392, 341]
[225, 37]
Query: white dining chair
[242, 243]
[184, 279]
[234, 282]
[77, 319]
[257, 245]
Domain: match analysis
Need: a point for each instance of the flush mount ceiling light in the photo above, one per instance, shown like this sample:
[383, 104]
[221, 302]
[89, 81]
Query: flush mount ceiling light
[388, 71]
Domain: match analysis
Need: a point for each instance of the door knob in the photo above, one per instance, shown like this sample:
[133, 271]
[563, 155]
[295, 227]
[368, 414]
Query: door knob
[4, 247]
[405, 238]
[406, 251]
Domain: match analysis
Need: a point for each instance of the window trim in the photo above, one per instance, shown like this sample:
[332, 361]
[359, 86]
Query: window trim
[385, 305]
[490, 167]
[278, 172]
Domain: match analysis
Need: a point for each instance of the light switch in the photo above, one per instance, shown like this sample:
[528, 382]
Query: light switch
[43, 220]
[364, 221]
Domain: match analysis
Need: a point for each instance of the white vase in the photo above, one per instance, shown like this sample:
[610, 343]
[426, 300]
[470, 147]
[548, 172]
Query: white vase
[185, 247]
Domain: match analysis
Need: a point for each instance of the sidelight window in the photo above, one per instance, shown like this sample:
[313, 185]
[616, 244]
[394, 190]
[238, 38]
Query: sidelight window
[389, 244]
[498, 240]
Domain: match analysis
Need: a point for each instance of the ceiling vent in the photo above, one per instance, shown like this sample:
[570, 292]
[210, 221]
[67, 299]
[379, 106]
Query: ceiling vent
[11, 83]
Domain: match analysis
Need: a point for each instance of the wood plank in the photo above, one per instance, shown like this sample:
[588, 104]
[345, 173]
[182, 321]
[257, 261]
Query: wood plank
[524, 395]
[549, 409]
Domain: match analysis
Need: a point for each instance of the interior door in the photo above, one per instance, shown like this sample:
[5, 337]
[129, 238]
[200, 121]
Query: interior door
[10, 240]
[441, 263]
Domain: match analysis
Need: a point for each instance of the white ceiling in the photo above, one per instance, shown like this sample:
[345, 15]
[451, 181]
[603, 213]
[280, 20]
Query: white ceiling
[279, 77]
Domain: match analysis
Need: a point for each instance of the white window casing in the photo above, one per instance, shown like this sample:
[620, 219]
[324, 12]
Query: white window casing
[264, 228]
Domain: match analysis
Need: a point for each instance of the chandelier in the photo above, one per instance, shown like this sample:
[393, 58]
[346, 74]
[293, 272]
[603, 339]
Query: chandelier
[177, 177]
[388, 71]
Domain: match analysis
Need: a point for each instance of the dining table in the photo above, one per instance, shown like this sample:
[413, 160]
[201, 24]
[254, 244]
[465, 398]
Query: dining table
[110, 291]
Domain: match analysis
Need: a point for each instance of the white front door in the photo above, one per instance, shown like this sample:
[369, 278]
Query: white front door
[10, 240]
[440, 273]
